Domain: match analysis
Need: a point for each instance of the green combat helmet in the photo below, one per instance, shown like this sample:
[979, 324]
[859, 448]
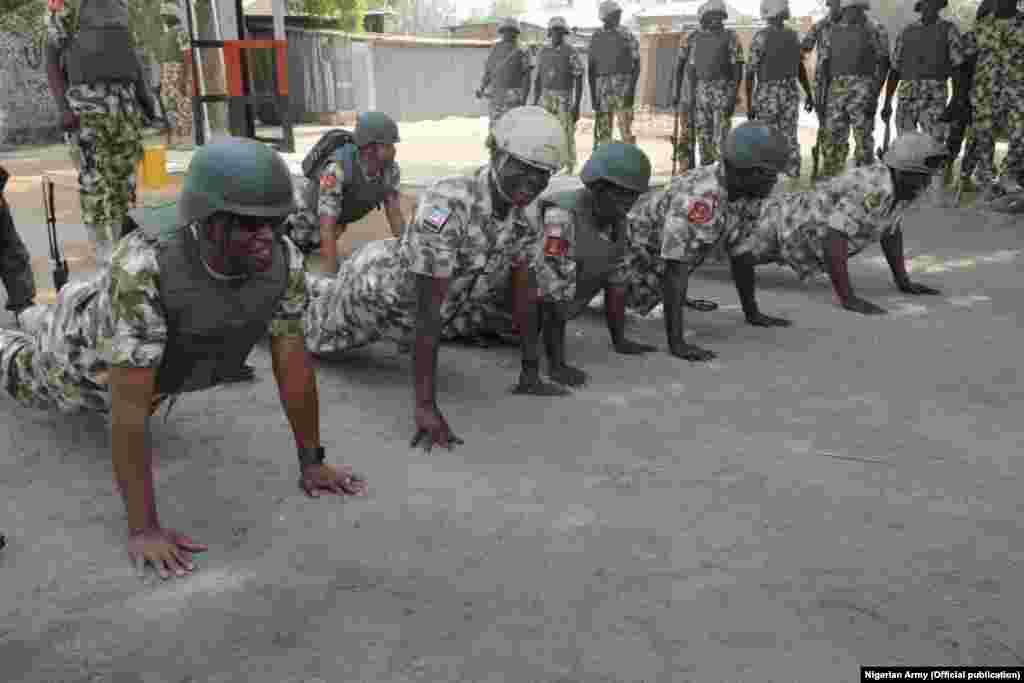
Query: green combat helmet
[375, 127]
[619, 163]
[912, 152]
[755, 145]
[508, 24]
[238, 176]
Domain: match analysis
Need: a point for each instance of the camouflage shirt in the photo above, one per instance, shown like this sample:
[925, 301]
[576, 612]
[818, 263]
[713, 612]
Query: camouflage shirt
[129, 326]
[332, 184]
[793, 226]
[455, 235]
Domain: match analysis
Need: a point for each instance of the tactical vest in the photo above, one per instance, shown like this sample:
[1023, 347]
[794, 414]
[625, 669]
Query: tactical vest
[926, 52]
[360, 195]
[212, 326]
[102, 49]
[505, 65]
[609, 50]
[781, 55]
[555, 65]
[711, 55]
[852, 53]
[595, 252]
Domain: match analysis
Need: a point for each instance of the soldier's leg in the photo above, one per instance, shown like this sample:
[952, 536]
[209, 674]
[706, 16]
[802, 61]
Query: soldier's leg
[931, 111]
[984, 131]
[1013, 164]
[89, 183]
[602, 127]
[906, 108]
[786, 116]
[15, 264]
[837, 130]
[863, 123]
[118, 152]
[723, 118]
[626, 125]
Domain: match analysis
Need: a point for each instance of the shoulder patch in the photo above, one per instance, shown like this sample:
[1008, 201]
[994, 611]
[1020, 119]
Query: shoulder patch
[700, 211]
[435, 218]
[328, 181]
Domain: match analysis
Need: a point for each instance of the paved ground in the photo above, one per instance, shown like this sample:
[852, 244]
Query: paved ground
[837, 494]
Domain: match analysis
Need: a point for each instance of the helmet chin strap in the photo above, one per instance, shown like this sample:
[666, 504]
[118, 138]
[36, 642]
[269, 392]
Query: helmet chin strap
[496, 172]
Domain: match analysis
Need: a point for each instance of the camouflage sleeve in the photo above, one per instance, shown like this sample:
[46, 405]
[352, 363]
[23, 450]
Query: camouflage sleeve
[897, 49]
[434, 237]
[332, 183]
[737, 50]
[634, 47]
[692, 226]
[527, 59]
[756, 52]
[556, 267]
[291, 311]
[957, 45]
[136, 333]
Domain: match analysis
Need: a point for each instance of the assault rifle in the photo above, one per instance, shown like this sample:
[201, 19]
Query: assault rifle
[821, 100]
[60, 266]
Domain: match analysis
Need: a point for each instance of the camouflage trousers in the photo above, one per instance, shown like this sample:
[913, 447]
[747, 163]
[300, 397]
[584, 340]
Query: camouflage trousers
[51, 363]
[850, 100]
[303, 226]
[778, 105]
[15, 263]
[499, 102]
[994, 109]
[921, 103]
[106, 150]
[713, 117]
[372, 299]
[614, 101]
[682, 142]
[559, 104]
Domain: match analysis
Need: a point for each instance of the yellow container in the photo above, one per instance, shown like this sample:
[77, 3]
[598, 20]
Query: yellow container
[153, 169]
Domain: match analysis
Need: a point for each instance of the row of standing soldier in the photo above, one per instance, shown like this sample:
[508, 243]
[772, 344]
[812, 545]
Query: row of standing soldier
[853, 68]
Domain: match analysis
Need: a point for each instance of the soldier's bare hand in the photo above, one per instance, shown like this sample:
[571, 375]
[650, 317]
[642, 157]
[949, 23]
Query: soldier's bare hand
[692, 353]
[531, 384]
[917, 288]
[632, 348]
[762, 320]
[858, 305]
[165, 550]
[569, 376]
[339, 480]
[432, 428]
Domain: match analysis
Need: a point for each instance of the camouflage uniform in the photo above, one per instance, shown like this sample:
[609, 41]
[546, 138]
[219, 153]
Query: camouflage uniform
[560, 103]
[792, 227]
[922, 101]
[613, 91]
[107, 149]
[454, 235]
[777, 101]
[713, 117]
[303, 226]
[811, 41]
[61, 359]
[689, 221]
[998, 93]
[502, 99]
[682, 145]
[850, 101]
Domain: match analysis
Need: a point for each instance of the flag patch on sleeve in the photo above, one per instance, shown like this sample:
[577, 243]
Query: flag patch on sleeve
[435, 218]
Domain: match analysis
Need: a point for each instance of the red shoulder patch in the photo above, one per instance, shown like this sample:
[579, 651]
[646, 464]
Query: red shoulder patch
[328, 181]
[701, 212]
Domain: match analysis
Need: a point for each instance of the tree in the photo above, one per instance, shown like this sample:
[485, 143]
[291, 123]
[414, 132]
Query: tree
[419, 17]
[349, 13]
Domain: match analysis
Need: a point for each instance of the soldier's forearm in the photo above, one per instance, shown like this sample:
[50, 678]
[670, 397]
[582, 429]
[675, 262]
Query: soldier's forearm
[430, 295]
[131, 403]
[674, 286]
[396, 220]
[296, 383]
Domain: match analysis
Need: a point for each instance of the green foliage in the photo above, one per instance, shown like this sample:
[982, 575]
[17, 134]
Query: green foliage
[349, 12]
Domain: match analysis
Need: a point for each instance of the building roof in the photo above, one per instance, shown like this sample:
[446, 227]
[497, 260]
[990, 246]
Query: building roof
[686, 8]
[579, 17]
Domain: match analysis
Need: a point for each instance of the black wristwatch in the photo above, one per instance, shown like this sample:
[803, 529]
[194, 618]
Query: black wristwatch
[311, 456]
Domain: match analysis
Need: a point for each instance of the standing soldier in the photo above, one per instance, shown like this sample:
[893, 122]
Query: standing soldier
[811, 41]
[559, 84]
[926, 54]
[15, 261]
[613, 68]
[682, 96]
[96, 79]
[716, 69]
[507, 72]
[997, 95]
[776, 65]
[855, 64]
[358, 176]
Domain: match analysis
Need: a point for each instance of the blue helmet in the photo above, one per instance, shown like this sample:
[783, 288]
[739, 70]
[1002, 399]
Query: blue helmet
[619, 163]
[756, 145]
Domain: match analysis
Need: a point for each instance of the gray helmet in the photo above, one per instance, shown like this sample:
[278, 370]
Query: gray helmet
[375, 126]
[619, 163]
[756, 145]
[608, 8]
[558, 23]
[239, 176]
[508, 24]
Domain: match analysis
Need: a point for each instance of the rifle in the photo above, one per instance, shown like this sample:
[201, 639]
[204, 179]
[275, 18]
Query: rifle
[675, 141]
[691, 128]
[821, 97]
[60, 266]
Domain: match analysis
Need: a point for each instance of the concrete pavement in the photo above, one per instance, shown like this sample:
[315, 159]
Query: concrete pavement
[841, 493]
